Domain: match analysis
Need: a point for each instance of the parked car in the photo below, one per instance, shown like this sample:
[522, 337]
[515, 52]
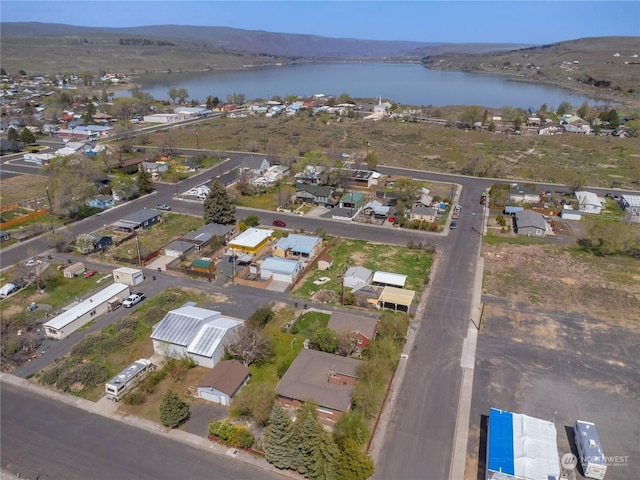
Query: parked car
[133, 299]
[90, 273]
[453, 225]
[32, 263]
[164, 206]
[279, 223]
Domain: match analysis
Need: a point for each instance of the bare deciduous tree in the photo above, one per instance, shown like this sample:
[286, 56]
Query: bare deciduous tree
[249, 345]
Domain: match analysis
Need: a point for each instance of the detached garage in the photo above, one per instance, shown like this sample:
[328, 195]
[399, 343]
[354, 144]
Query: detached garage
[223, 382]
[73, 270]
[280, 269]
[128, 276]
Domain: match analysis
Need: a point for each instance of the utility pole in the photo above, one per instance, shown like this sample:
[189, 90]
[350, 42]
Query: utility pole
[50, 210]
[138, 250]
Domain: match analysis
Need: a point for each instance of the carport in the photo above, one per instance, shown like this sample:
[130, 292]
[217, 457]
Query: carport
[397, 299]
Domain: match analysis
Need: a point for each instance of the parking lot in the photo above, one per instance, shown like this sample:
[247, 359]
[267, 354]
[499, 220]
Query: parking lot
[559, 367]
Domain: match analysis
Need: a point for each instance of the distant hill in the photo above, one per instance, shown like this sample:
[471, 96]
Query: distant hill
[601, 65]
[27, 45]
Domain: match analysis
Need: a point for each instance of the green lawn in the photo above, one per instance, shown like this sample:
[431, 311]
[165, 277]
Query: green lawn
[309, 322]
[374, 256]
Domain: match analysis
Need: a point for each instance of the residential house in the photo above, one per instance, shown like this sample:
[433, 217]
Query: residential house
[102, 243]
[362, 328]
[155, 168]
[301, 246]
[280, 269]
[227, 179]
[187, 167]
[376, 209]
[142, 219]
[631, 206]
[521, 194]
[311, 175]
[194, 332]
[351, 200]
[101, 201]
[568, 213]
[529, 223]
[387, 198]
[326, 379]
[588, 202]
[223, 382]
[422, 213]
[321, 195]
[203, 236]
[250, 241]
[162, 118]
[356, 276]
[253, 166]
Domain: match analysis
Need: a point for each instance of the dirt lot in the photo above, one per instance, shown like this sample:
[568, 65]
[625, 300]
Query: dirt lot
[560, 341]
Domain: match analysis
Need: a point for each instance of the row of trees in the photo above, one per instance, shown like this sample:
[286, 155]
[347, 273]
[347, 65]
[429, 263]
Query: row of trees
[304, 446]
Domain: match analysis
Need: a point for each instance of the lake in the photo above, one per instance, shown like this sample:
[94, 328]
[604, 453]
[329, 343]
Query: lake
[408, 84]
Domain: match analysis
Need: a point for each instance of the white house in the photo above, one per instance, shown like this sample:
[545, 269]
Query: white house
[82, 313]
[280, 269]
[356, 276]
[193, 332]
[588, 202]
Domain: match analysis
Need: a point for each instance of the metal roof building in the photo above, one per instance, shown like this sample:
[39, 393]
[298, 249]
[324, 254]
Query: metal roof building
[521, 447]
[195, 332]
[300, 245]
[385, 278]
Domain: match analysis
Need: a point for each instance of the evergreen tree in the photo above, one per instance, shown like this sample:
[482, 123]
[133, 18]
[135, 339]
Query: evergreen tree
[330, 457]
[27, 137]
[308, 456]
[278, 438]
[218, 207]
[354, 464]
[173, 411]
[13, 135]
[145, 185]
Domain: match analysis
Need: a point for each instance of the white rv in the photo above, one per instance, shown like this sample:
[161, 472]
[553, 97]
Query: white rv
[124, 382]
[590, 453]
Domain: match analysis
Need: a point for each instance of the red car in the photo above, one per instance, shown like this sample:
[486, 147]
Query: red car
[279, 223]
[90, 273]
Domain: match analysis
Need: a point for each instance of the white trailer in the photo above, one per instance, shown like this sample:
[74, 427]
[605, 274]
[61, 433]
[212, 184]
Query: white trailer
[590, 453]
[124, 382]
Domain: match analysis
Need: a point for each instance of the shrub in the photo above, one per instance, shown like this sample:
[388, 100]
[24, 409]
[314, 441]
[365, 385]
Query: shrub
[125, 322]
[89, 345]
[125, 336]
[261, 316]
[231, 434]
[136, 397]
[173, 410]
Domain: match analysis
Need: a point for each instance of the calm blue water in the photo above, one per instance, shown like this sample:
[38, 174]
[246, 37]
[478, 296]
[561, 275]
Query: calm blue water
[402, 83]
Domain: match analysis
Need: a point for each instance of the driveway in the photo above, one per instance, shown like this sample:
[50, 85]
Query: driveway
[203, 412]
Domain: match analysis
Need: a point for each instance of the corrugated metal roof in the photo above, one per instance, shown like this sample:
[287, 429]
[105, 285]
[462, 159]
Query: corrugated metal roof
[211, 335]
[182, 325]
[397, 296]
[396, 279]
[84, 307]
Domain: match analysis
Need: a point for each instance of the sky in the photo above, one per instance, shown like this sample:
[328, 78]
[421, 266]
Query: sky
[452, 21]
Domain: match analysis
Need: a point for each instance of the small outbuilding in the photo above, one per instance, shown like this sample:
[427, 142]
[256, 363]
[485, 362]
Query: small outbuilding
[382, 279]
[324, 262]
[223, 381]
[73, 270]
[203, 265]
[128, 276]
[398, 299]
[280, 269]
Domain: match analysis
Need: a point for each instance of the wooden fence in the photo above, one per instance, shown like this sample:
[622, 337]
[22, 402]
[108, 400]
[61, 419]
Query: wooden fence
[22, 219]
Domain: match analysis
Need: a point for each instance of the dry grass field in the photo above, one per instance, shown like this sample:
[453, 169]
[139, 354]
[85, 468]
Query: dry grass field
[606, 162]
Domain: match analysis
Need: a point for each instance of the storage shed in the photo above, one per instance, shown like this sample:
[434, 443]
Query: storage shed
[73, 270]
[128, 276]
[386, 278]
[82, 313]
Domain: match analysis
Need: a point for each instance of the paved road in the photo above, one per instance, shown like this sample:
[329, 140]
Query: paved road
[420, 436]
[51, 440]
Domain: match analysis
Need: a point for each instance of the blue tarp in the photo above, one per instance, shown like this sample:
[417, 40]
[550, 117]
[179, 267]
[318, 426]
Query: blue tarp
[500, 451]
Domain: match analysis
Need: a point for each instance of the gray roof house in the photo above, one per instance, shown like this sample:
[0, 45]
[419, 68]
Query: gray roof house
[529, 223]
[254, 166]
[363, 329]
[319, 194]
[137, 220]
[325, 378]
[356, 276]
[195, 332]
[177, 248]
[202, 236]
